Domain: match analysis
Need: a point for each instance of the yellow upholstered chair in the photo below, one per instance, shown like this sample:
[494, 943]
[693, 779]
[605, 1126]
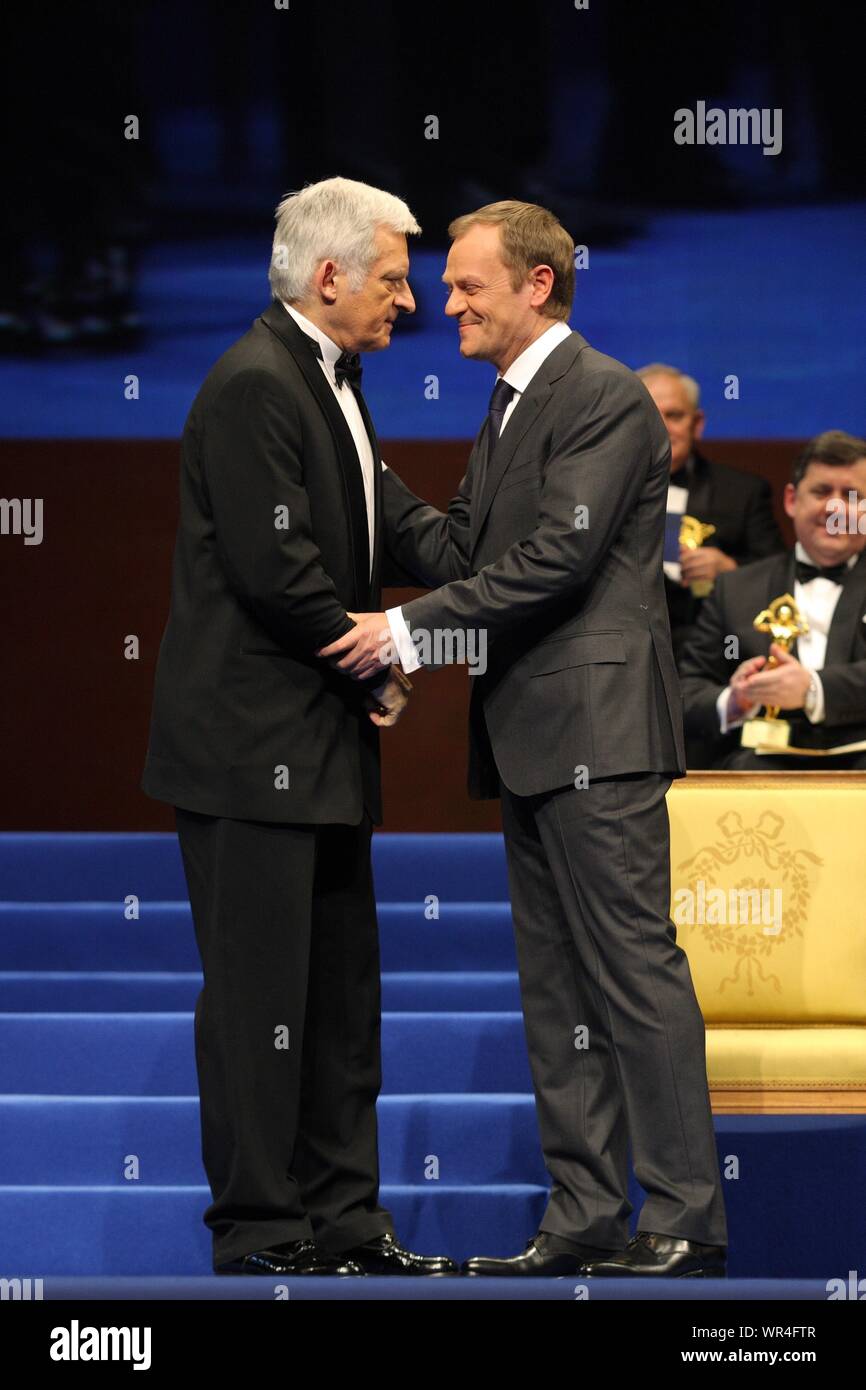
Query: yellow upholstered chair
[768, 895]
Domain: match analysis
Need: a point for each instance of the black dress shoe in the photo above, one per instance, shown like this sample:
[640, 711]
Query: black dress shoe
[547, 1256]
[298, 1258]
[666, 1257]
[385, 1255]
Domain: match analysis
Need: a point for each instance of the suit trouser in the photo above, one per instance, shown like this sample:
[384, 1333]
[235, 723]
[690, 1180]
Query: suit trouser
[287, 1030]
[589, 874]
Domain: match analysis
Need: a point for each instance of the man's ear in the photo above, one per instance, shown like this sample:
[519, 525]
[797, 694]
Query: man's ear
[700, 420]
[325, 281]
[788, 497]
[541, 280]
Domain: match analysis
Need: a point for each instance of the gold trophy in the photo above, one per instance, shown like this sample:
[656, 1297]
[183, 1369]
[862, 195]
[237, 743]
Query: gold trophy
[785, 623]
[692, 534]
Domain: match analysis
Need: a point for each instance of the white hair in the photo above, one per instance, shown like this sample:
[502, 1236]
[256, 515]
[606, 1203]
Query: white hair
[692, 389]
[334, 219]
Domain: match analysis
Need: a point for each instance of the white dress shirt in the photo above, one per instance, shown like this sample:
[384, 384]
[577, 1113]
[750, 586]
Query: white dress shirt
[519, 375]
[817, 602]
[351, 411]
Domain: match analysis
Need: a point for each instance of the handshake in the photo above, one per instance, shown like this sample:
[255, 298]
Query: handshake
[358, 653]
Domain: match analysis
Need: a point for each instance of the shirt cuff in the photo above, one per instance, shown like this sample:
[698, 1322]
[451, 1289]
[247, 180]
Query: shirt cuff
[815, 715]
[402, 641]
[726, 724]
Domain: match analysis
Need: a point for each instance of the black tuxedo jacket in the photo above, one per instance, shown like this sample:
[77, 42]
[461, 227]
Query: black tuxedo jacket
[580, 667]
[740, 506]
[272, 549]
[737, 599]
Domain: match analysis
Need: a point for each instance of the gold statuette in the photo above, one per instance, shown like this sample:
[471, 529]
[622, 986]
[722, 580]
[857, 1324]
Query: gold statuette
[785, 623]
[692, 534]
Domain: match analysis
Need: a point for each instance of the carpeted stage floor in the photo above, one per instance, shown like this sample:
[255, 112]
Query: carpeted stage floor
[97, 1064]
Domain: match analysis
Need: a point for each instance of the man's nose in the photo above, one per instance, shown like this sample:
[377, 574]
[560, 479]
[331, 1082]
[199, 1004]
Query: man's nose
[455, 304]
[406, 301]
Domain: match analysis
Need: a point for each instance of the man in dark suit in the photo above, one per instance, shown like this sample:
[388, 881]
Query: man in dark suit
[576, 723]
[819, 686]
[739, 505]
[271, 758]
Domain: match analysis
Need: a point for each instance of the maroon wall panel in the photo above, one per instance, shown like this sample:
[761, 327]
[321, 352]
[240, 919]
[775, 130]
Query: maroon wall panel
[75, 710]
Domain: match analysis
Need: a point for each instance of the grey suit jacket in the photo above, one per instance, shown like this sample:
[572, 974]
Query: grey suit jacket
[558, 559]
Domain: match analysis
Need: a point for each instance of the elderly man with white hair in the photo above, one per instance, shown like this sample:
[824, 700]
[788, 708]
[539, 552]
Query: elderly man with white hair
[270, 756]
[738, 504]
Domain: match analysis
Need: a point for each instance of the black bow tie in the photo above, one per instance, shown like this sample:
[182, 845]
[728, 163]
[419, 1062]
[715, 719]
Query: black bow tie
[805, 572]
[346, 368]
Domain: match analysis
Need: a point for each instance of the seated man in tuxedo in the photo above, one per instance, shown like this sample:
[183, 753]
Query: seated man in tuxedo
[820, 685]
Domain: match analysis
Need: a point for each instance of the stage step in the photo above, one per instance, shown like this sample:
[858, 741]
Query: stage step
[74, 936]
[153, 1054]
[100, 1155]
[90, 1140]
[163, 991]
[107, 867]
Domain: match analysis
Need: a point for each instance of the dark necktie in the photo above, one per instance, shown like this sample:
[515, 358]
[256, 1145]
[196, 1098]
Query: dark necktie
[499, 400]
[805, 572]
[346, 368]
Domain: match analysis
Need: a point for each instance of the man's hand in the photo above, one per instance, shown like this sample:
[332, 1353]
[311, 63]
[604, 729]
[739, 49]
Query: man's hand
[707, 562]
[738, 703]
[363, 651]
[394, 695]
[784, 685]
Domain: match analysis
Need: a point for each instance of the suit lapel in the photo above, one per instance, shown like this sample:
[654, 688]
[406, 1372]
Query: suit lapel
[375, 576]
[477, 480]
[521, 420]
[700, 503]
[295, 340]
[847, 615]
[524, 415]
[784, 574]
[778, 579]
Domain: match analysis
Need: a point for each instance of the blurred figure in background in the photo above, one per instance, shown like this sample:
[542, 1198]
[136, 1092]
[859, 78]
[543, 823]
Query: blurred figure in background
[75, 186]
[739, 505]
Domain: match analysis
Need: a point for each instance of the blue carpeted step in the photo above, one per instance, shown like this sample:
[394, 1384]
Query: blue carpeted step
[86, 991]
[89, 867]
[153, 1054]
[72, 936]
[88, 1140]
[468, 868]
[467, 936]
[97, 1058]
[137, 1228]
[107, 867]
[74, 991]
[492, 991]
[150, 1230]
[96, 936]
